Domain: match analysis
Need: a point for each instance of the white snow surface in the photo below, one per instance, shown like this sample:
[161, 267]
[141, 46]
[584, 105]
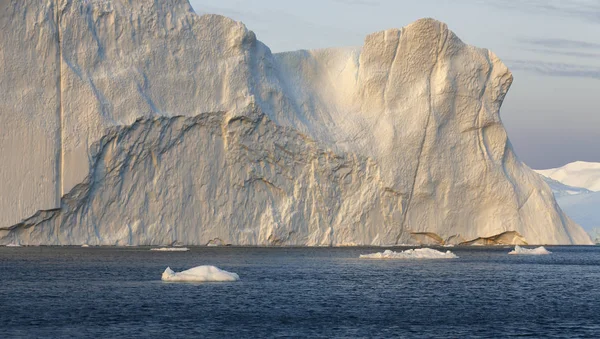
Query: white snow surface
[170, 249]
[529, 251]
[419, 253]
[578, 174]
[204, 273]
[142, 123]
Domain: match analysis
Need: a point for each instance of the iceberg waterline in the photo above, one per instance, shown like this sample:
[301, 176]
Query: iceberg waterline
[529, 251]
[419, 253]
[205, 273]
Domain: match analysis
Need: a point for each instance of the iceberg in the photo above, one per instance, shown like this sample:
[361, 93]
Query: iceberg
[578, 174]
[527, 251]
[419, 253]
[13, 245]
[170, 249]
[373, 145]
[204, 273]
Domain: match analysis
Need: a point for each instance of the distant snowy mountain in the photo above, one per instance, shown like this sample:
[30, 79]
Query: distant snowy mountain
[579, 174]
[576, 187]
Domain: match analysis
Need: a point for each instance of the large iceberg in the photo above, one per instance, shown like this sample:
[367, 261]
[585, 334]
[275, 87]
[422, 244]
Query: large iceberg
[199, 274]
[529, 251]
[141, 123]
[419, 253]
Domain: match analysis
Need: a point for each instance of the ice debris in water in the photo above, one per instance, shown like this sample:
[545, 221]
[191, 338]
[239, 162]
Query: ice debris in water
[13, 245]
[419, 253]
[526, 251]
[200, 274]
[170, 249]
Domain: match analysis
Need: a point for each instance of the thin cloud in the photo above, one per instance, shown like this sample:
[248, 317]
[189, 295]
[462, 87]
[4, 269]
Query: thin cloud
[595, 56]
[555, 69]
[562, 47]
[561, 43]
[588, 10]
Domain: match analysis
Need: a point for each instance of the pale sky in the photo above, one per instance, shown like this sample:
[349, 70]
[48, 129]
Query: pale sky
[552, 47]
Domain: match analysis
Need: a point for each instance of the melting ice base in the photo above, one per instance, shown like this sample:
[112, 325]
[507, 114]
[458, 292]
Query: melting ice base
[527, 251]
[170, 249]
[419, 253]
[200, 274]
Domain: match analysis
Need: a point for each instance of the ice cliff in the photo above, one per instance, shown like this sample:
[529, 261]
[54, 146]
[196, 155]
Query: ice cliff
[140, 122]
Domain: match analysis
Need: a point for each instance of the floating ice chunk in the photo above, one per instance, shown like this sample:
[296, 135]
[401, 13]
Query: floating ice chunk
[200, 274]
[215, 242]
[171, 249]
[526, 251]
[13, 245]
[419, 253]
[85, 245]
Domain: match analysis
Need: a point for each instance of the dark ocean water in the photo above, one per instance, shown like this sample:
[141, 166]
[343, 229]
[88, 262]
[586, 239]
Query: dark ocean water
[298, 292]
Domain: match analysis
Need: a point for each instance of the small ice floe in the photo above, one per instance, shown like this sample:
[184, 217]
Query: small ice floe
[199, 274]
[419, 253]
[85, 245]
[13, 245]
[215, 242]
[529, 251]
[170, 249]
